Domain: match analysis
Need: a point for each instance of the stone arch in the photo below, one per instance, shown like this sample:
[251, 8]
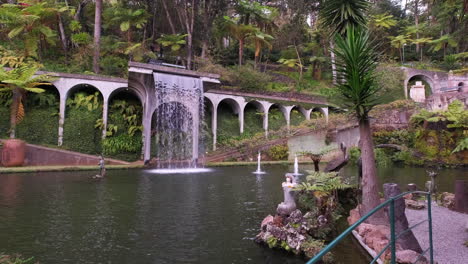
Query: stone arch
[317, 112]
[275, 120]
[254, 112]
[129, 90]
[419, 76]
[80, 122]
[227, 112]
[40, 123]
[298, 115]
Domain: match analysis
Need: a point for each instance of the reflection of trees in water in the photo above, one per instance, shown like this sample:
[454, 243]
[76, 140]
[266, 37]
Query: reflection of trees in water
[173, 132]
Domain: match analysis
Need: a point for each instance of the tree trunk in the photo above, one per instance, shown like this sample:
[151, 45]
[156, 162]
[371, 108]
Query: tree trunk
[370, 190]
[16, 100]
[79, 9]
[416, 21]
[168, 17]
[316, 165]
[97, 35]
[333, 63]
[63, 35]
[241, 51]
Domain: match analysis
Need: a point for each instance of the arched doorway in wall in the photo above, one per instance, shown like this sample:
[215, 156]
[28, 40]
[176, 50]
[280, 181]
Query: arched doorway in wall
[276, 118]
[228, 121]
[124, 124]
[83, 118]
[297, 116]
[41, 117]
[253, 118]
[172, 134]
[425, 80]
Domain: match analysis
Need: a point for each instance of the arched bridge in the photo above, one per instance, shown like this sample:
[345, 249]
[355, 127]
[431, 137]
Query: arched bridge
[438, 81]
[141, 84]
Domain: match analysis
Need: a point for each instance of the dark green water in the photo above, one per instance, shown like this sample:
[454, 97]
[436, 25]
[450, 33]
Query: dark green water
[137, 217]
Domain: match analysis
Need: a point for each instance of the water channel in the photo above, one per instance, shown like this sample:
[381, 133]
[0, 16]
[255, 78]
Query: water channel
[134, 216]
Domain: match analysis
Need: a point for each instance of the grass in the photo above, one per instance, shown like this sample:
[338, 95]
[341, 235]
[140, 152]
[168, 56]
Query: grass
[4, 170]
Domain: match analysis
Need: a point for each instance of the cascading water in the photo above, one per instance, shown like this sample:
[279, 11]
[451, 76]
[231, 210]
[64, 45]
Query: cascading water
[179, 101]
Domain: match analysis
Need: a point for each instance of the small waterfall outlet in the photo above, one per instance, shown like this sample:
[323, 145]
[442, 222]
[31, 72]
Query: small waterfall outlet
[179, 109]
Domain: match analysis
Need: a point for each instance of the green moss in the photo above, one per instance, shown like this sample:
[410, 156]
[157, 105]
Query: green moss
[79, 133]
[40, 126]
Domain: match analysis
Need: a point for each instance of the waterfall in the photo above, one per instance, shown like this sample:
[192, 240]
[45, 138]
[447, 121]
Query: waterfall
[176, 120]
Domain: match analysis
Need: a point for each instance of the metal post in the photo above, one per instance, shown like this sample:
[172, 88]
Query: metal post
[429, 214]
[392, 230]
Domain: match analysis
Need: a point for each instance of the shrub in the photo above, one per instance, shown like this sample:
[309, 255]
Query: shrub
[113, 65]
[249, 79]
[389, 79]
[278, 152]
[123, 147]
[79, 133]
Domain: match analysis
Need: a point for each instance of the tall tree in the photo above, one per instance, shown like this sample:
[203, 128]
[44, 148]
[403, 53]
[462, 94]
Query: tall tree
[97, 35]
[356, 63]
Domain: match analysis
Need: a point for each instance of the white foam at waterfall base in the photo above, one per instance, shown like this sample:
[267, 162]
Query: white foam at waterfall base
[180, 171]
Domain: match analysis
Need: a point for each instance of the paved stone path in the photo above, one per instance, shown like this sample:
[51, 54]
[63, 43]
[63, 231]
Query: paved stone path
[448, 231]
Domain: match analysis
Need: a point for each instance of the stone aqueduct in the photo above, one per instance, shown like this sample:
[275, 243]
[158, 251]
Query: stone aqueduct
[141, 84]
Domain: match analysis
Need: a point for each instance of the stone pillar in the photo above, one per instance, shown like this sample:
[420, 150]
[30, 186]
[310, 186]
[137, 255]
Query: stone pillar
[241, 118]
[195, 134]
[147, 136]
[461, 196]
[214, 123]
[265, 122]
[407, 240]
[105, 109]
[325, 113]
[308, 112]
[63, 105]
[287, 115]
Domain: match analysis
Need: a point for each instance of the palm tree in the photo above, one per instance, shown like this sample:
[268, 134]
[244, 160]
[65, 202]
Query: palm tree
[340, 14]
[240, 32]
[443, 42]
[126, 18]
[398, 42]
[421, 42]
[337, 15]
[19, 81]
[30, 24]
[383, 21]
[356, 64]
[260, 40]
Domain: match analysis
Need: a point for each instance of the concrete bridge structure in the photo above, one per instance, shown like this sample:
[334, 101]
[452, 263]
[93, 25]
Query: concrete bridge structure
[141, 84]
[445, 87]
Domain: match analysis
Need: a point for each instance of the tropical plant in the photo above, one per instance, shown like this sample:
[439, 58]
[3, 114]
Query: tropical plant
[30, 23]
[340, 14]
[260, 40]
[399, 42]
[356, 65]
[383, 21]
[19, 81]
[84, 100]
[443, 43]
[174, 41]
[126, 18]
[240, 32]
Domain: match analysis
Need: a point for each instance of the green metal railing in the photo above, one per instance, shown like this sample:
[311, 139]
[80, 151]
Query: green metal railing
[393, 237]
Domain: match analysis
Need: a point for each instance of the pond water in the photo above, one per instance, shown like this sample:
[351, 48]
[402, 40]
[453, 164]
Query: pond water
[137, 217]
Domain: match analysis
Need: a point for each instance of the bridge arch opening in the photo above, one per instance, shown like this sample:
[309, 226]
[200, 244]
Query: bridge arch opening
[207, 126]
[83, 119]
[276, 117]
[253, 118]
[425, 80]
[124, 123]
[228, 120]
[297, 115]
[316, 113]
[41, 118]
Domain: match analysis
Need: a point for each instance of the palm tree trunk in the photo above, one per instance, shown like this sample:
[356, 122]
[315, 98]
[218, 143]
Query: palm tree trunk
[370, 190]
[97, 35]
[241, 51]
[333, 62]
[16, 100]
[63, 35]
[169, 17]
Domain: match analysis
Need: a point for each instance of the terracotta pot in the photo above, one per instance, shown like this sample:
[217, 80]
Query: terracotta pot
[13, 152]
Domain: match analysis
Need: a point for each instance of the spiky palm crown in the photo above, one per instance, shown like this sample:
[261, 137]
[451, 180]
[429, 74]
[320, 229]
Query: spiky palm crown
[339, 14]
[356, 64]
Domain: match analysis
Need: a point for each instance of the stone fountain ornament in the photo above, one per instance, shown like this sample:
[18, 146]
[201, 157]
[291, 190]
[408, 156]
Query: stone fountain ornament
[289, 205]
